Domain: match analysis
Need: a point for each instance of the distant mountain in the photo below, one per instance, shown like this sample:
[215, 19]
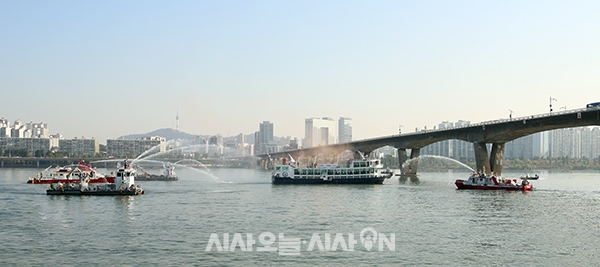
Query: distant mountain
[168, 133]
[172, 134]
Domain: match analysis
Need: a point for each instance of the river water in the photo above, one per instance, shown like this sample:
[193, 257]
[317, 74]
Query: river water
[417, 222]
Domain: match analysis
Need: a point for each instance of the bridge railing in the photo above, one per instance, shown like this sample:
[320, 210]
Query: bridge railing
[543, 115]
[503, 120]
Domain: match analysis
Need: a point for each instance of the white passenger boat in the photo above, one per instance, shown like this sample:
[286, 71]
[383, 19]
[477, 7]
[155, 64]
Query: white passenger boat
[363, 171]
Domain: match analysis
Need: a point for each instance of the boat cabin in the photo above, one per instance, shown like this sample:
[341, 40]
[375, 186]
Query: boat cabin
[125, 176]
[353, 169]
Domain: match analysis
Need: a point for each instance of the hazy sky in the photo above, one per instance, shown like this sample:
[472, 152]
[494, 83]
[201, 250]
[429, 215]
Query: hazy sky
[108, 68]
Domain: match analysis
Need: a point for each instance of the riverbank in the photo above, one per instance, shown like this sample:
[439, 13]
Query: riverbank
[31, 162]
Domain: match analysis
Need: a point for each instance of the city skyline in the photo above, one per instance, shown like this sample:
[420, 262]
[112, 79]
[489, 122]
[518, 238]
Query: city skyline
[107, 69]
[577, 142]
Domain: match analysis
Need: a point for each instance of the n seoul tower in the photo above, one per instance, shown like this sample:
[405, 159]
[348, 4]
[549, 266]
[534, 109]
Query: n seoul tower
[177, 121]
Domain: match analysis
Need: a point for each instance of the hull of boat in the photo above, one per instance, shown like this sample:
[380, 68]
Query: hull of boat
[460, 184]
[287, 180]
[64, 192]
[94, 193]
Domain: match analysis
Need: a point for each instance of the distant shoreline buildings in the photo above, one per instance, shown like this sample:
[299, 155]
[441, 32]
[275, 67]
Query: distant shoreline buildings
[325, 131]
[34, 138]
[580, 142]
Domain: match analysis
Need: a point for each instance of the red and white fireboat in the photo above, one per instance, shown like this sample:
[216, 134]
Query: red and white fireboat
[70, 174]
[484, 182]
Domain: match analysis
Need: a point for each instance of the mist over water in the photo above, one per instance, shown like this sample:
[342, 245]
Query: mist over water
[557, 224]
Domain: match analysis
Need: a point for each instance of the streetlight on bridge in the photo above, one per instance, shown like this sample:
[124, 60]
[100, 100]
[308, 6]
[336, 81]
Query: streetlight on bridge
[551, 103]
[510, 115]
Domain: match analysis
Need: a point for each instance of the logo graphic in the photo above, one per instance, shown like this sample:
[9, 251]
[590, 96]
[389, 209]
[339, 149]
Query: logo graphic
[368, 240]
[290, 246]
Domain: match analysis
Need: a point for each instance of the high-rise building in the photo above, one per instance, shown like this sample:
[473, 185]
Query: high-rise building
[265, 137]
[5, 129]
[266, 132]
[256, 149]
[319, 132]
[344, 130]
[38, 130]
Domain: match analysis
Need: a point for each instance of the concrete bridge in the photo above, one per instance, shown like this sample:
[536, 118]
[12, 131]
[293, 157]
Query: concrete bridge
[496, 133]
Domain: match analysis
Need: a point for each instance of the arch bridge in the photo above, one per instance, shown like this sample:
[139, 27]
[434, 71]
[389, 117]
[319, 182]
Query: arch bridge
[496, 133]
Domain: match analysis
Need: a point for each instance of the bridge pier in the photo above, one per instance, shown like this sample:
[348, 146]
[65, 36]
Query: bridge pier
[413, 165]
[264, 163]
[497, 157]
[489, 164]
[402, 157]
[482, 159]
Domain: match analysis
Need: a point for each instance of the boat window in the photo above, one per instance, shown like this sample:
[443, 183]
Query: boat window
[310, 171]
[344, 171]
[296, 172]
[356, 171]
[285, 168]
[363, 171]
[356, 164]
[330, 172]
[303, 172]
[338, 171]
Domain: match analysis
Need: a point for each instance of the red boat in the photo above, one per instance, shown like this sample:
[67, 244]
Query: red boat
[70, 174]
[483, 182]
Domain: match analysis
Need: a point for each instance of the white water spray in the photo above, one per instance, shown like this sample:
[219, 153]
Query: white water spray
[405, 164]
[150, 150]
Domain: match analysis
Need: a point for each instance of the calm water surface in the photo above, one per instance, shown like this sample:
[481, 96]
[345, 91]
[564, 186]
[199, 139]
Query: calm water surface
[558, 224]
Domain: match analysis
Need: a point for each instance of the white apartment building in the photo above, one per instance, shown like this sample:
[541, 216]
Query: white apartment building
[319, 132]
[344, 130]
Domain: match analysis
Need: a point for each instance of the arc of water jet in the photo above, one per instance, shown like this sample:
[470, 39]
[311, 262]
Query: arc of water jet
[150, 149]
[437, 157]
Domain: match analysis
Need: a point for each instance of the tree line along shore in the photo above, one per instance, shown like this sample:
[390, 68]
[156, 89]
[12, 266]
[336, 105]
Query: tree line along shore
[560, 163]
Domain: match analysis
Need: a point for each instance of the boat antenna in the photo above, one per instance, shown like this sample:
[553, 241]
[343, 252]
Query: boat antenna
[361, 154]
[291, 158]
